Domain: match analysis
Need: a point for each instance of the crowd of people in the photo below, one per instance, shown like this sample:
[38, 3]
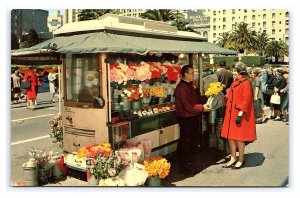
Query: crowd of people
[33, 77]
[247, 91]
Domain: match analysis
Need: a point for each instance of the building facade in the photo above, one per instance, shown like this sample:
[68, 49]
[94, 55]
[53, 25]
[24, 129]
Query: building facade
[199, 21]
[22, 20]
[135, 13]
[55, 21]
[70, 15]
[274, 22]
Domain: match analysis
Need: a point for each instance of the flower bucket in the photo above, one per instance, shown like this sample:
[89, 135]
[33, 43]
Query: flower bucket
[91, 179]
[136, 105]
[212, 115]
[30, 174]
[44, 175]
[116, 107]
[153, 181]
[125, 104]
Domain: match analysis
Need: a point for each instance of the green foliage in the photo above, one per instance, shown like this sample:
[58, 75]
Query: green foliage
[33, 38]
[92, 14]
[253, 60]
[56, 130]
[229, 60]
[14, 41]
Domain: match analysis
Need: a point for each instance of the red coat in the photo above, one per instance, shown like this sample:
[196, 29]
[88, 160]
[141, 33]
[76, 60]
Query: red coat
[239, 97]
[31, 77]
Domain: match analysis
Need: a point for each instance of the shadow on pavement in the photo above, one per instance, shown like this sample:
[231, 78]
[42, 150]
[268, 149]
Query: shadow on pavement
[254, 159]
[205, 158]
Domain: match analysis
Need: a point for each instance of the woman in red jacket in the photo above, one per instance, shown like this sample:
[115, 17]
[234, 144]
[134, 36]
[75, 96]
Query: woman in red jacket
[239, 122]
[31, 77]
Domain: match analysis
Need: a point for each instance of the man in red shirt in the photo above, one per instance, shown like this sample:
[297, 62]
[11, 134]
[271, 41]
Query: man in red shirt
[188, 109]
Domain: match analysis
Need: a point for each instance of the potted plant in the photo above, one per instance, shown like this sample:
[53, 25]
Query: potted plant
[42, 159]
[158, 168]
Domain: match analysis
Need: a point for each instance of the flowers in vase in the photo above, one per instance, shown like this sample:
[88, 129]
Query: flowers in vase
[213, 90]
[134, 93]
[157, 166]
[41, 158]
[157, 91]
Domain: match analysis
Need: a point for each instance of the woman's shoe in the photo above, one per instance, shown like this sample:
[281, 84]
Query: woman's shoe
[229, 164]
[239, 166]
[277, 118]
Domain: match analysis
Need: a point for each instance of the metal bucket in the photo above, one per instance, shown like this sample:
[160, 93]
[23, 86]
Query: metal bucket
[30, 174]
[212, 115]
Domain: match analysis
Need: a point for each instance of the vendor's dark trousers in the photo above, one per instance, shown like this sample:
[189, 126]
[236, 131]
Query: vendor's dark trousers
[189, 140]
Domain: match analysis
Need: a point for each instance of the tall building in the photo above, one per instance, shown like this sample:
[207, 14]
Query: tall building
[199, 21]
[70, 15]
[22, 20]
[274, 22]
[135, 13]
[55, 21]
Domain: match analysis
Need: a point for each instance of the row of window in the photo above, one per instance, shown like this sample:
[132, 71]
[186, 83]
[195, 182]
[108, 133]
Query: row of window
[245, 10]
[233, 19]
[265, 31]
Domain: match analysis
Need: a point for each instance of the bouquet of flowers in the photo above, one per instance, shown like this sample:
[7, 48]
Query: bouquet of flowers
[56, 129]
[157, 166]
[40, 157]
[134, 93]
[106, 166]
[157, 91]
[213, 90]
[93, 150]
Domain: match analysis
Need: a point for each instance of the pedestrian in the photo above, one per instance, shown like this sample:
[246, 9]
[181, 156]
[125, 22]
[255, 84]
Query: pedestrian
[257, 96]
[16, 78]
[224, 76]
[52, 88]
[285, 99]
[239, 122]
[188, 109]
[280, 84]
[271, 81]
[31, 93]
[38, 84]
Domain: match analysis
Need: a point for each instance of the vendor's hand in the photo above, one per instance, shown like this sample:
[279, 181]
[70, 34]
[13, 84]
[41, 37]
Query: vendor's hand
[255, 98]
[197, 107]
[238, 119]
[281, 90]
[206, 108]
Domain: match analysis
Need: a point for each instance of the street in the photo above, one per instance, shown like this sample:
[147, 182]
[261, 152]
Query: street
[267, 159]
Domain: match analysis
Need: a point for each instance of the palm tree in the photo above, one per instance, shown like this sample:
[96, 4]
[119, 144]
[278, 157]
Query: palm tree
[91, 14]
[224, 40]
[243, 38]
[160, 15]
[261, 43]
[277, 49]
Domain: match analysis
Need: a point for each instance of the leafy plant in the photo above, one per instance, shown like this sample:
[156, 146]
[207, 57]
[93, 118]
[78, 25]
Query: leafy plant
[56, 130]
[41, 157]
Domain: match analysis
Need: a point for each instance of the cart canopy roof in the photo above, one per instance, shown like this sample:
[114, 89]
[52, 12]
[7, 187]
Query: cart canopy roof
[112, 33]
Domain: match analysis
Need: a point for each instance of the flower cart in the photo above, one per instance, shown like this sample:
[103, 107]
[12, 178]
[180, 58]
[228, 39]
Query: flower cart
[117, 79]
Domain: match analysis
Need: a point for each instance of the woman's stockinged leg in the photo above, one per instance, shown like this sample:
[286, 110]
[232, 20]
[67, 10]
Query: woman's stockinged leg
[232, 147]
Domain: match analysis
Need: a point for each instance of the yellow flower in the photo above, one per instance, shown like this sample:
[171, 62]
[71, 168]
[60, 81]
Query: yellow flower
[157, 91]
[157, 167]
[214, 89]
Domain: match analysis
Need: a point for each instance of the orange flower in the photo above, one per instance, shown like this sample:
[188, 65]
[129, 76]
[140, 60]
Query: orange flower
[157, 166]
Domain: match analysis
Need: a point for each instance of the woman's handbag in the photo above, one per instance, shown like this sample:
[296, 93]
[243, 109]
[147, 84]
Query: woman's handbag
[25, 85]
[275, 99]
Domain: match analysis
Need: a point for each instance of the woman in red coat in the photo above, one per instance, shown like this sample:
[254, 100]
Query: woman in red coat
[31, 77]
[239, 122]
